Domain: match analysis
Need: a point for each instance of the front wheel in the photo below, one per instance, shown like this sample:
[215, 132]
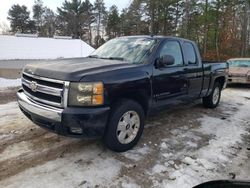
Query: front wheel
[125, 127]
[213, 100]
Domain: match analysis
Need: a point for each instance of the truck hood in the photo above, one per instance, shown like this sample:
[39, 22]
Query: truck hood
[74, 69]
[239, 71]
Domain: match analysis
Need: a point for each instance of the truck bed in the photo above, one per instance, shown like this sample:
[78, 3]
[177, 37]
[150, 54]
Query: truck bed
[212, 69]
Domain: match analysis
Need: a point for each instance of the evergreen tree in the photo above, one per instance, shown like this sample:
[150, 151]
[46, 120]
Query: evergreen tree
[221, 28]
[89, 19]
[49, 23]
[38, 11]
[71, 16]
[100, 15]
[113, 23]
[19, 18]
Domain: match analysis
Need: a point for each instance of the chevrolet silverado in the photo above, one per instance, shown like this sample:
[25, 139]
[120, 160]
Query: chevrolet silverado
[109, 93]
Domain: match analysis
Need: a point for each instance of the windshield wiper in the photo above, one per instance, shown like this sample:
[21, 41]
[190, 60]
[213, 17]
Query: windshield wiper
[114, 58]
[111, 58]
[93, 56]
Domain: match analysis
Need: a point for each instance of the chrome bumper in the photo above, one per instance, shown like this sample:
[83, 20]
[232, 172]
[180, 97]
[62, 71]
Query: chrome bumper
[30, 106]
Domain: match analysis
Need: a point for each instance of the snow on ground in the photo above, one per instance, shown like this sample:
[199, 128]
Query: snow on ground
[181, 148]
[5, 83]
[82, 169]
[207, 162]
[136, 154]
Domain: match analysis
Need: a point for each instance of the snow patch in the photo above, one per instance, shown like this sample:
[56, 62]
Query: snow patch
[167, 155]
[192, 144]
[158, 168]
[183, 178]
[136, 154]
[205, 164]
[163, 145]
[226, 135]
[128, 183]
[188, 161]
[5, 83]
[83, 169]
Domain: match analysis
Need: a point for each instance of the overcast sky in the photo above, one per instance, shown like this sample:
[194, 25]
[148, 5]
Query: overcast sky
[5, 5]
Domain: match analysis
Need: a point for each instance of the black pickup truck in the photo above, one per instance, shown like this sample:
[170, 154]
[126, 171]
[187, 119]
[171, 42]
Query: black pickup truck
[108, 94]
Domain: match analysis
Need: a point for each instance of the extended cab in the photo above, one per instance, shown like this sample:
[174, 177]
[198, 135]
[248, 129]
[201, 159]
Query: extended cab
[109, 94]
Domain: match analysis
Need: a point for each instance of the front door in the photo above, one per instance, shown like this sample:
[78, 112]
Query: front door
[170, 83]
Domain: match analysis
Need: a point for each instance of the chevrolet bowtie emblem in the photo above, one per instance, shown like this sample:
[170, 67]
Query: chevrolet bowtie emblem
[33, 86]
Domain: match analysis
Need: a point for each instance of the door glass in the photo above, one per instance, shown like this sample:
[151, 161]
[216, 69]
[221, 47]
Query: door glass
[172, 48]
[189, 53]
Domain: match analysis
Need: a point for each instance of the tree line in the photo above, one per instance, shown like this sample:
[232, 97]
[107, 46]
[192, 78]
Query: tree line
[221, 28]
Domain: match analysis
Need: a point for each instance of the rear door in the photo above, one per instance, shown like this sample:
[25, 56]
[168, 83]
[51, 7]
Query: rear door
[170, 82]
[193, 69]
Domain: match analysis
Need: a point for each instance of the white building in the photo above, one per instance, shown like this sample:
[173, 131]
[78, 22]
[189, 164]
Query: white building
[32, 47]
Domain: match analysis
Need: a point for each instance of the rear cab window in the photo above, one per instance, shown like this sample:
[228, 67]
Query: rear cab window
[190, 54]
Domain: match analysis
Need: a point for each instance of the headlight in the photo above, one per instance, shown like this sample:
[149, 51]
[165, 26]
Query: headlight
[86, 94]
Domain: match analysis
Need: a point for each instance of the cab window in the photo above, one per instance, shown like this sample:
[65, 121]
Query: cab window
[190, 53]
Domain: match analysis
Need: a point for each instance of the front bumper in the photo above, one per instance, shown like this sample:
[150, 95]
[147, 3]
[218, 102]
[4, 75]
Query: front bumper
[238, 80]
[92, 121]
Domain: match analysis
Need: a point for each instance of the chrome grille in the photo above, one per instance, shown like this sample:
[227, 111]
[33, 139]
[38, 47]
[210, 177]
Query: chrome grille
[45, 90]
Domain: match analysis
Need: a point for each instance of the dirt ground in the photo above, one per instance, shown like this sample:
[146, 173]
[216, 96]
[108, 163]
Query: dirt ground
[179, 148]
[10, 73]
[8, 95]
[12, 69]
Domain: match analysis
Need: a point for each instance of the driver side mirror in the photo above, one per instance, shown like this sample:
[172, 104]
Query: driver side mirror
[164, 61]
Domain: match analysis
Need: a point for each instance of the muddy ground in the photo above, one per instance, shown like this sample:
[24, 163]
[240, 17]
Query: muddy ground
[179, 148]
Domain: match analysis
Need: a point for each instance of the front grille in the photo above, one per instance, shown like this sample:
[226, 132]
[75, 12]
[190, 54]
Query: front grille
[44, 90]
[43, 82]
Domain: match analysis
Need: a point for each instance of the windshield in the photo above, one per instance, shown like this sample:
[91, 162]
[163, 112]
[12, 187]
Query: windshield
[132, 50]
[239, 63]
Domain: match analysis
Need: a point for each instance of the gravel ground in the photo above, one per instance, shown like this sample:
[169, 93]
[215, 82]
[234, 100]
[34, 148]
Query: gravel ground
[179, 148]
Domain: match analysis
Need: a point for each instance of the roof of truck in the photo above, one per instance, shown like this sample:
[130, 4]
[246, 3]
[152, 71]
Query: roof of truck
[156, 37]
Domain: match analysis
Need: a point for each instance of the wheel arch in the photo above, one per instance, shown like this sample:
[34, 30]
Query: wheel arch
[221, 80]
[139, 96]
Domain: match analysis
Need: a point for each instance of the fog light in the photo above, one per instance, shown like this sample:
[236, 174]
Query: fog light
[76, 130]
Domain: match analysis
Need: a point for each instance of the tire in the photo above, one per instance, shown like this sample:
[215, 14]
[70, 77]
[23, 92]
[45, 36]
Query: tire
[125, 126]
[213, 100]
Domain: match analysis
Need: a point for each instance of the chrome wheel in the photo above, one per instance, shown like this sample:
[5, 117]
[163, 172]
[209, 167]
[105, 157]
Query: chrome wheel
[216, 95]
[128, 127]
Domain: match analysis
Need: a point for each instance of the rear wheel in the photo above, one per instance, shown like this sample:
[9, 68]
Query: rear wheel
[125, 126]
[213, 100]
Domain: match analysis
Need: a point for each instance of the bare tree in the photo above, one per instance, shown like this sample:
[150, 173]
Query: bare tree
[4, 29]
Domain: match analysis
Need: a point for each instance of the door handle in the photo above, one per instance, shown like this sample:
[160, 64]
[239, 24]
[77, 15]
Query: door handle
[180, 76]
